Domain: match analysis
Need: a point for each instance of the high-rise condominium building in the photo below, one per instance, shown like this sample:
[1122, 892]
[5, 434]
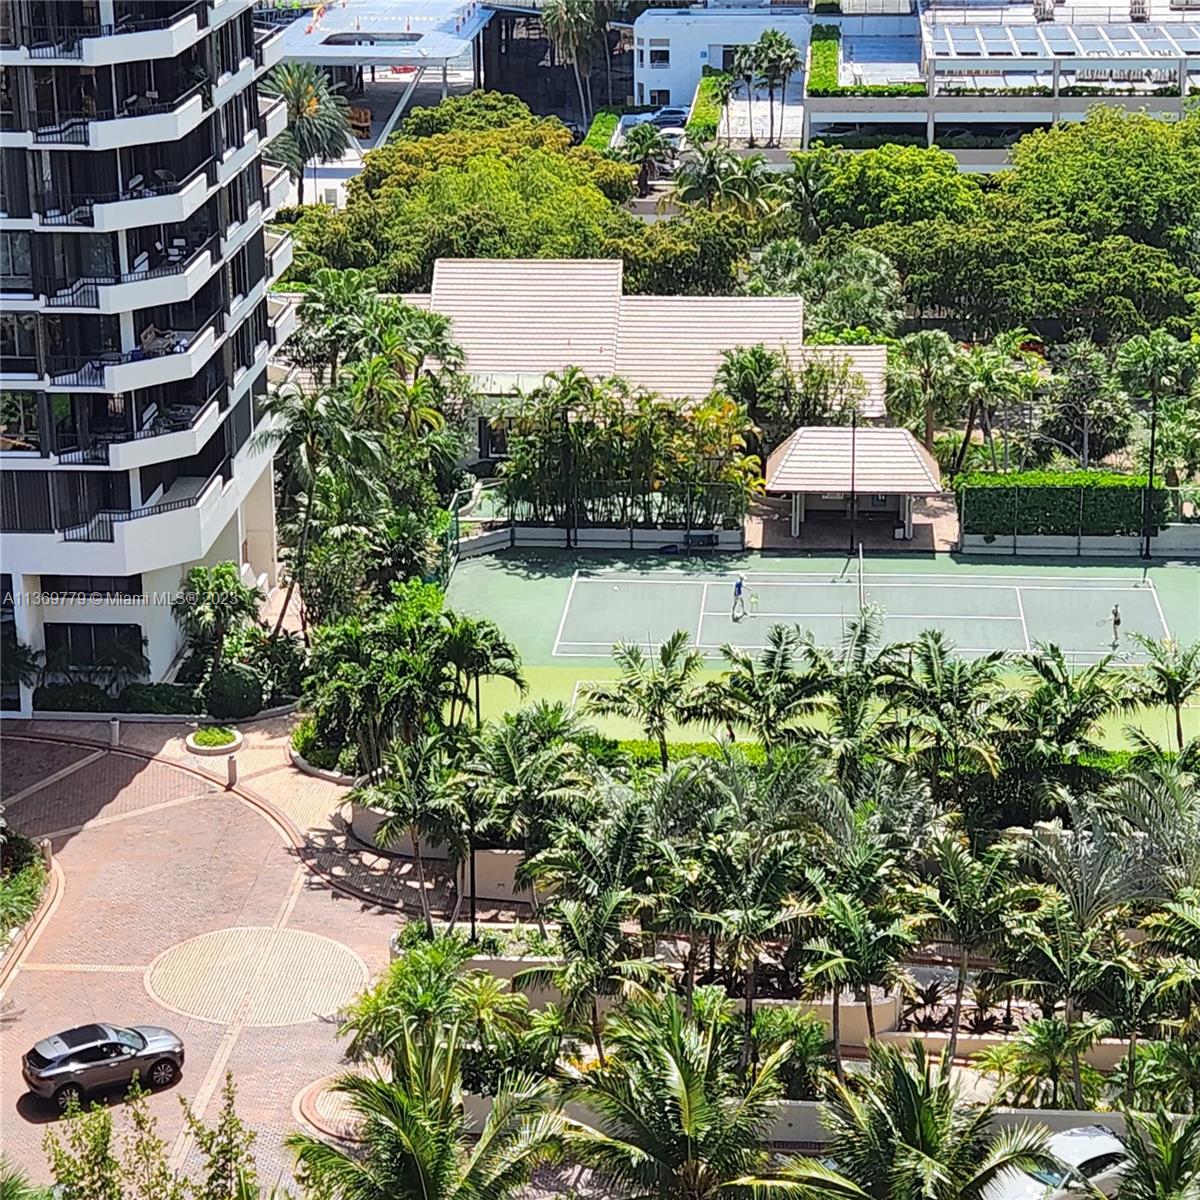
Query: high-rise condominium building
[135, 324]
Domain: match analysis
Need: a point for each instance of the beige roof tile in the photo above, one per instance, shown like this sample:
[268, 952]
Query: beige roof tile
[817, 458]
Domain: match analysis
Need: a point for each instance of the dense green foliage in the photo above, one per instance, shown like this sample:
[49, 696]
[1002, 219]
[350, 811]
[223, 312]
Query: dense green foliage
[22, 880]
[600, 133]
[707, 107]
[214, 735]
[1050, 503]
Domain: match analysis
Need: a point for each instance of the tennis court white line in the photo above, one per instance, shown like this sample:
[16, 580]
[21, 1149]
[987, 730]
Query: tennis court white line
[1158, 605]
[566, 609]
[1024, 627]
[843, 577]
[853, 614]
[874, 581]
[700, 619]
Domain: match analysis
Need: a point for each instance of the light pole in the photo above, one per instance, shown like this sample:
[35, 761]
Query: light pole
[1147, 504]
[853, 493]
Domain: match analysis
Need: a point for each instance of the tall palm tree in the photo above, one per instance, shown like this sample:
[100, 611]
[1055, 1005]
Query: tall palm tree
[655, 692]
[569, 26]
[674, 1119]
[927, 363]
[1036, 1068]
[318, 128]
[213, 602]
[314, 433]
[477, 649]
[331, 306]
[906, 1129]
[974, 894]
[766, 57]
[723, 92]
[1162, 1157]
[745, 67]
[1170, 676]
[788, 61]
[415, 1135]
[596, 961]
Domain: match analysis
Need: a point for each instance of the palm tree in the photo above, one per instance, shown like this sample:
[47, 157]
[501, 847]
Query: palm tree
[212, 603]
[647, 149]
[317, 127]
[1162, 1156]
[569, 25]
[745, 67]
[1170, 676]
[958, 704]
[927, 363]
[804, 189]
[674, 1118]
[974, 895]
[788, 61]
[315, 434]
[477, 649]
[764, 694]
[1036, 1069]
[655, 692]
[15, 1184]
[905, 1129]
[766, 59]
[415, 1135]
[414, 790]
[331, 306]
[858, 950]
[723, 93]
[595, 963]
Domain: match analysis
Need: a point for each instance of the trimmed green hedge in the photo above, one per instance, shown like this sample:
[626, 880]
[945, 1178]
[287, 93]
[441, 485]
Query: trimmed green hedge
[824, 59]
[643, 753]
[165, 698]
[214, 735]
[600, 132]
[705, 118]
[1055, 504]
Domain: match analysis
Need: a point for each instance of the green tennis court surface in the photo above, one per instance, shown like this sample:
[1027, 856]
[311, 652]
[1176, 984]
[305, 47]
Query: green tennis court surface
[565, 610]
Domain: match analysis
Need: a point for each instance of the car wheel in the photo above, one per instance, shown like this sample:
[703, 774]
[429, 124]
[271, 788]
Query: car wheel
[67, 1093]
[163, 1073]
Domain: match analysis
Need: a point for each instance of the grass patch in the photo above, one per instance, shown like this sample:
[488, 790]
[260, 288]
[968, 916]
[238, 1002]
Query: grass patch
[214, 735]
[825, 54]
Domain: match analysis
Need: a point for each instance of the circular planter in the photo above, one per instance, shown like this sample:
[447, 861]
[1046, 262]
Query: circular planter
[214, 751]
[302, 764]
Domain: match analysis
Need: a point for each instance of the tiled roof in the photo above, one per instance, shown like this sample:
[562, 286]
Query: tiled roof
[817, 458]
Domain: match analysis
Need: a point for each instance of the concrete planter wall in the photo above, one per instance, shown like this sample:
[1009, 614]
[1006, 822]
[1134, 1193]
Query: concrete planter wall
[1104, 1056]
[214, 751]
[852, 1013]
[1171, 541]
[302, 764]
[591, 539]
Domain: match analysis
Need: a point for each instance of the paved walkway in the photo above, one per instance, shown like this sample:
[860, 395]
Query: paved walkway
[220, 914]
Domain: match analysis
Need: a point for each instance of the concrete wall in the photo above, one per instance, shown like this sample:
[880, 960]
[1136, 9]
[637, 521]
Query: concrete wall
[1104, 1056]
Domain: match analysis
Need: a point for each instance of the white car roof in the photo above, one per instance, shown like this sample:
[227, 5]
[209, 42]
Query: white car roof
[1075, 1146]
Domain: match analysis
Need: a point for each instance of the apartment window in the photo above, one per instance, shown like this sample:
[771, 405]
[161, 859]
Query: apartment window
[25, 502]
[18, 341]
[92, 585]
[660, 96]
[660, 58]
[10, 693]
[641, 58]
[75, 644]
[641, 94]
[16, 268]
[20, 422]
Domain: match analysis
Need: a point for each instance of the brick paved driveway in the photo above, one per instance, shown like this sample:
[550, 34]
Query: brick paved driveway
[151, 855]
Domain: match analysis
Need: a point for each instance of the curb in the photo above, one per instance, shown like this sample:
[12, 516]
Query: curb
[233, 747]
[305, 1107]
[302, 764]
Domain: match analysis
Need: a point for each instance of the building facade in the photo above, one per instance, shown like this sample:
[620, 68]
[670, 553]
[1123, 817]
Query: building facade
[135, 322]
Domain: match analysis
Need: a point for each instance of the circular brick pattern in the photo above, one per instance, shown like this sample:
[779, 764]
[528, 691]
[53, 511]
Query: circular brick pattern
[328, 1111]
[256, 976]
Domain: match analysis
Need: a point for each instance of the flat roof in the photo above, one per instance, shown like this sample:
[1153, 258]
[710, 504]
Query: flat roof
[882, 460]
[976, 37]
[518, 319]
[360, 33]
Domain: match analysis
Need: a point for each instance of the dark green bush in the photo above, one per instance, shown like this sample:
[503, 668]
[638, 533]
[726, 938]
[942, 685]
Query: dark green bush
[308, 743]
[1050, 503]
[164, 698]
[236, 691]
[22, 881]
[73, 697]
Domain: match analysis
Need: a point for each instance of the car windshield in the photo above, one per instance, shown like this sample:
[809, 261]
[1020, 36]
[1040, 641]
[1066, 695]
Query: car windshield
[1050, 1176]
[127, 1037]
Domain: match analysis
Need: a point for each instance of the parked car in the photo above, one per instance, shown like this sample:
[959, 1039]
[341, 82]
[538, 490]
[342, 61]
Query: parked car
[666, 118]
[91, 1057]
[1088, 1151]
[674, 136]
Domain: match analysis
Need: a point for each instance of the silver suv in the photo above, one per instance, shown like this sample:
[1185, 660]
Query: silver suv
[94, 1057]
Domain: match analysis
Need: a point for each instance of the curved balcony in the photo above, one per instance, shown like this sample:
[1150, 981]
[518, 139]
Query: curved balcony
[141, 121]
[172, 280]
[161, 201]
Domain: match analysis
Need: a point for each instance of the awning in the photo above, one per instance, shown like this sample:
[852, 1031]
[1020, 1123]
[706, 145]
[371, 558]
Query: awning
[882, 461]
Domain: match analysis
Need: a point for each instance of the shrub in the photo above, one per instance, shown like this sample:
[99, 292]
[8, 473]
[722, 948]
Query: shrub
[1057, 504]
[235, 691]
[22, 881]
[705, 118]
[307, 742]
[163, 698]
[73, 697]
[642, 753]
[825, 55]
[600, 132]
[214, 735]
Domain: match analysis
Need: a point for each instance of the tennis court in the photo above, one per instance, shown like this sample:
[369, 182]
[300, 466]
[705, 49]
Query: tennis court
[978, 612]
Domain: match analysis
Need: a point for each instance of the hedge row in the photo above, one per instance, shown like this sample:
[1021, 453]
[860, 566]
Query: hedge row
[825, 54]
[705, 118]
[166, 699]
[1056, 504]
[600, 132]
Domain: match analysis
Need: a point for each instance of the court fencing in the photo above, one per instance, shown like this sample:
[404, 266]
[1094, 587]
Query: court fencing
[612, 514]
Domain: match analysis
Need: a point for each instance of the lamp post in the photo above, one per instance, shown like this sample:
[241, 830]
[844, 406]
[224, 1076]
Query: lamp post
[853, 493]
[1147, 504]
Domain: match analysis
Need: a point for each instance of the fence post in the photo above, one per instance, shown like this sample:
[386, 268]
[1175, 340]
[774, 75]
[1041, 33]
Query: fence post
[1079, 527]
[1015, 493]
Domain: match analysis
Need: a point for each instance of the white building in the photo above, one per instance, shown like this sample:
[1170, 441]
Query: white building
[136, 326]
[988, 72]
